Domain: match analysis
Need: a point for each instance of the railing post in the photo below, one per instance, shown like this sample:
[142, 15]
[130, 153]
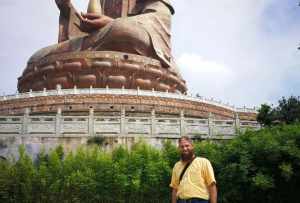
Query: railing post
[25, 121]
[75, 89]
[153, 123]
[58, 122]
[182, 123]
[237, 123]
[30, 93]
[58, 89]
[91, 90]
[107, 89]
[210, 125]
[44, 92]
[91, 122]
[123, 89]
[122, 123]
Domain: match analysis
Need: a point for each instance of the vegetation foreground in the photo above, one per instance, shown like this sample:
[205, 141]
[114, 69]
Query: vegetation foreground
[258, 166]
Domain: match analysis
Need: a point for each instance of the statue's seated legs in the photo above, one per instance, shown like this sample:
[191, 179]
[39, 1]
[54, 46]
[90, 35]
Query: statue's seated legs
[126, 36]
[121, 35]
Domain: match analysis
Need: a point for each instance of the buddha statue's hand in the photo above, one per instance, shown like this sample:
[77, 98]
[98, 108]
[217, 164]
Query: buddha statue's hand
[91, 21]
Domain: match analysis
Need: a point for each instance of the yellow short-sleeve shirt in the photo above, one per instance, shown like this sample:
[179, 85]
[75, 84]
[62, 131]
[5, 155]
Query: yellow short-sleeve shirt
[194, 184]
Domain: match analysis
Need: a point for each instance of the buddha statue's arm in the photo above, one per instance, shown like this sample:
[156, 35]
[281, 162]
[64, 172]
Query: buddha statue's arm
[157, 6]
[73, 24]
[64, 6]
[69, 22]
[92, 21]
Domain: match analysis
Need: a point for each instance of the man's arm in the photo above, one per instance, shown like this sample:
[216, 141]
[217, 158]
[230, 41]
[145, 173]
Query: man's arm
[212, 189]
[68, 21]
[174, 197]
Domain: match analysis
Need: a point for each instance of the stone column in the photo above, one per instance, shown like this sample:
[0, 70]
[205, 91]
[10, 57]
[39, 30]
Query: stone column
[153, 123]
[237, 123]
[122, 123]
[182, 123]
[91, 122]
[75, 89]
[17, 95]
[91, 90]
[25, 121]
[58, 122]
[45, 92]
[58, 89]
[211, 125]
[30, 93]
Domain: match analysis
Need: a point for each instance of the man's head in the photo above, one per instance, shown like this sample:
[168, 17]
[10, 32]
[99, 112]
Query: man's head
[186, 148]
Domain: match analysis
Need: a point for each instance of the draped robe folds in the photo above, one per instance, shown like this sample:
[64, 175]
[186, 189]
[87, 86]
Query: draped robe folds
[139, 27]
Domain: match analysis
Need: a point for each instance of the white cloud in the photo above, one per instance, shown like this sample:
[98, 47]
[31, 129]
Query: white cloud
[200, 65]
[204, 76]
[242, 35]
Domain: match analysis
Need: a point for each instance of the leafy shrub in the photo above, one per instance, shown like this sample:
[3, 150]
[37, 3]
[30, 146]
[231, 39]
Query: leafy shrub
[257, 166]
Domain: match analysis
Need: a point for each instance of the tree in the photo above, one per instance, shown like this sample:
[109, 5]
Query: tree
[289, 110]
[261, 166]
[265, 115]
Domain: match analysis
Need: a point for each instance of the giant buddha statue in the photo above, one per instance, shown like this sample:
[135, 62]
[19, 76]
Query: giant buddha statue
[117, 43]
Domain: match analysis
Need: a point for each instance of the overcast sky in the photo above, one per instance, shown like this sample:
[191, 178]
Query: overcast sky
[243, 52]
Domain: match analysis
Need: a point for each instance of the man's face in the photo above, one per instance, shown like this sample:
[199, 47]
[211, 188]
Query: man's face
[186, 150]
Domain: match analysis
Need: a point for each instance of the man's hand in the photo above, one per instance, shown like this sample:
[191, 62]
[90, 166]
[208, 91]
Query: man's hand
[91, 21]
[212, 189]
[174, 197]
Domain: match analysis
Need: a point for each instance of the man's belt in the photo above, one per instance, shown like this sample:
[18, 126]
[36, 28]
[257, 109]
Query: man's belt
[191, 200]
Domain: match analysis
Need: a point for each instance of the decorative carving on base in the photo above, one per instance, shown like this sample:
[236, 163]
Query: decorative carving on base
[99, 69]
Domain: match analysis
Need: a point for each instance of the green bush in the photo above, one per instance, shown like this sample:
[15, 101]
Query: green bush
[257, 166]
[88, 175]
[261, 166]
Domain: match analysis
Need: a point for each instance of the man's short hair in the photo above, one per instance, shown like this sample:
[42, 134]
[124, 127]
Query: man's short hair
[186, 138]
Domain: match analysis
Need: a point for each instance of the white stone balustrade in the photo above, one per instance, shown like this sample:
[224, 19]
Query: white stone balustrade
[110, 91]
[152, 126]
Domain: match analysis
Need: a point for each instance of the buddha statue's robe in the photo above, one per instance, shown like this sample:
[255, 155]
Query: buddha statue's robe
[139, 27]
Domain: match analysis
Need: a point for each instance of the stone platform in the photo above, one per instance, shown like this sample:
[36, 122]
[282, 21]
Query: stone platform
[114, 100]
[100, 69]
[72, 116]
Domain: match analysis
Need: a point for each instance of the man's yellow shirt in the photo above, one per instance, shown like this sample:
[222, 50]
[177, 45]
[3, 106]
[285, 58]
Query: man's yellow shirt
[194, 184]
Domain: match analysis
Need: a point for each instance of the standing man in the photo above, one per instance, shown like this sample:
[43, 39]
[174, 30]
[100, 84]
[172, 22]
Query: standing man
[193, 179]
